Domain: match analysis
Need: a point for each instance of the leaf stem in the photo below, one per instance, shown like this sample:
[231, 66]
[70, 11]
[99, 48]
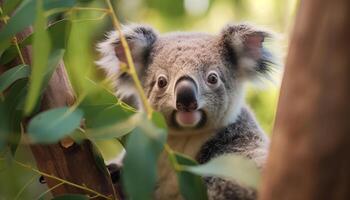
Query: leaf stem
[92, 9]
[58, 10]
[14, 40]
[91, 19]
[49, 190]
[24, 187]
[172, 158]
[131, 66]
[61, 180]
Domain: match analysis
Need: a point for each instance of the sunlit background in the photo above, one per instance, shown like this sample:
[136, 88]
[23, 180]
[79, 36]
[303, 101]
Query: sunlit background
[165, 16]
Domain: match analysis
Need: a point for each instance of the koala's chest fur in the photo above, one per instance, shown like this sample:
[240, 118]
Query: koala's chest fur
[167, 180]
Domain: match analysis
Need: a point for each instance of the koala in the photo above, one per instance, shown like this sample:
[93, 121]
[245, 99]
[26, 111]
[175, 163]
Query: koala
[196, 80]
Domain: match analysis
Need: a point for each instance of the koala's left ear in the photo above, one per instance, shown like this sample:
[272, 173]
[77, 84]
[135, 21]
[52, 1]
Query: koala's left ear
[244, 46]
[140, 39]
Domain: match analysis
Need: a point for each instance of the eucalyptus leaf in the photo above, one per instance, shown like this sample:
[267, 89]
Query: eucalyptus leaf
[9, 54]
[41, 50]
[143, 148]
[52, 125]
[105, 116]
[99, 95]
[10, 115]
[99, 160]
[230, 166]
[51, 4]
[4, 127]
[58, 31]
[108, 116]
[9, 6]
[191, 185]
[159, 120]
[12, 75]
[4, 45]
[116, 130]
[110, 149]
[22, 18]
[54, 58]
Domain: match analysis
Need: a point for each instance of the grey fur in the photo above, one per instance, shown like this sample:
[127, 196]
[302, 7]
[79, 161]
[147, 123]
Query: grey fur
[241, 137]
[236, 55]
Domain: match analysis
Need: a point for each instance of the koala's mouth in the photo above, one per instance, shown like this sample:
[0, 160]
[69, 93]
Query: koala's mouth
[193, 119]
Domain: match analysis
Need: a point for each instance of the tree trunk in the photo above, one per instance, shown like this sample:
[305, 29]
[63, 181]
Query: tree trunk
[309, 156]
[67, 160]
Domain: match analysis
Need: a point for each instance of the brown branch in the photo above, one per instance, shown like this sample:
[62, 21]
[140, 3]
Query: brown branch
[309, 156]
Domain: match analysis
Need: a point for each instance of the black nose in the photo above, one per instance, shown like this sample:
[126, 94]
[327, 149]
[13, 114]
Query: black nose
[186, 94]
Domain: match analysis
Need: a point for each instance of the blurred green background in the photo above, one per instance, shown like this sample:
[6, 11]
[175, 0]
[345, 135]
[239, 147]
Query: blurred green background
[163, 15]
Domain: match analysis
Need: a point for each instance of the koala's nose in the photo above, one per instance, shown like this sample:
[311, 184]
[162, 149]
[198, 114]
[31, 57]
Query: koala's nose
[186, 94]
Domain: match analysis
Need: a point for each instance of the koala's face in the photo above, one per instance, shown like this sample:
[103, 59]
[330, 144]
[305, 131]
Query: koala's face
[194, 79]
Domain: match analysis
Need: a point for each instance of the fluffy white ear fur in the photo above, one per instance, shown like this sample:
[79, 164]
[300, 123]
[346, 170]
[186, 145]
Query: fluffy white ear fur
[139, 38]
[247, 43]
[109, 61]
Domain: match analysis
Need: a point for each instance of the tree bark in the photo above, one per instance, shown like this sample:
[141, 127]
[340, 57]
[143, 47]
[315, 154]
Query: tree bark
[71, 162]
[309, 156]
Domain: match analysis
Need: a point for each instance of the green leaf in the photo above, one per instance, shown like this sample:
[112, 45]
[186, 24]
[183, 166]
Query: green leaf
[58, 31]
[116, 130]
[159, 120]
[54, 58]
[105, 116]
[10, 115]
[23, 17]
[71, 197]
[51, 4]
[99, 160]
[9, 6]
[4, 127]
[79, 136]
[52, 125]
[4, 45]
[8, 54]
[41, 49]
[230, 166]
[12, 75]
[143, 148]
[98, 95]
[108, 116]
[109, 149]
[191, 186]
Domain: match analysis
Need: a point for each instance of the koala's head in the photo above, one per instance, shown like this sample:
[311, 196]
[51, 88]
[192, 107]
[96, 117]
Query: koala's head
[195, 79]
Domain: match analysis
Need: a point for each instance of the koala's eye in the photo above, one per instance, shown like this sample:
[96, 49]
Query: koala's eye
[213, 78]
[162, 81]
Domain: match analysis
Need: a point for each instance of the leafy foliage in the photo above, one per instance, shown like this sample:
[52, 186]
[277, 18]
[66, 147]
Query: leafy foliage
[41, 49]
[12, 75]
[231, 167]
[191, 185]
[98, 115]
[52, 125]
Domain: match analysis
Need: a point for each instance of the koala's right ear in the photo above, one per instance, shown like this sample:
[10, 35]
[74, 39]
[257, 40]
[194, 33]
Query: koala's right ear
[140, 39]
[245, 46]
